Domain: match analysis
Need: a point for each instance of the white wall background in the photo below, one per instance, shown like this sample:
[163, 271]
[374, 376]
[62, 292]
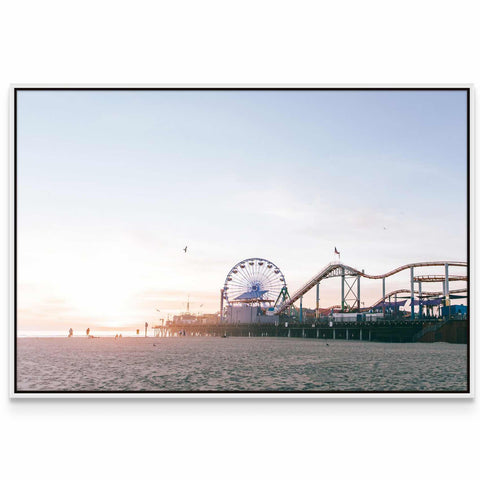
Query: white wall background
[242, 42]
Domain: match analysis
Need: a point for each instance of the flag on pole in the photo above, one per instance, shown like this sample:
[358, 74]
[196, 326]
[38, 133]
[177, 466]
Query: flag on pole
[336, 251]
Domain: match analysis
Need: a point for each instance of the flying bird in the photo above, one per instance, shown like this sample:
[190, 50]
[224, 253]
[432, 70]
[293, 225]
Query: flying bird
[185, 249]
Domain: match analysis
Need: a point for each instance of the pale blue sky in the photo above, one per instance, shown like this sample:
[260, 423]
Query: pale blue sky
[113, 184]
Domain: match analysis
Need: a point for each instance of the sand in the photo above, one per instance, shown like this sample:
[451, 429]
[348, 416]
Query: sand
[236, 364]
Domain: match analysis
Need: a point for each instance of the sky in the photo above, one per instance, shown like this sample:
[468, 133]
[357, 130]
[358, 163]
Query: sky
[112, 185]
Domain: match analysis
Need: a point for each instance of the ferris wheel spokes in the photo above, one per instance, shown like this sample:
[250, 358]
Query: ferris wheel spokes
[254, 281]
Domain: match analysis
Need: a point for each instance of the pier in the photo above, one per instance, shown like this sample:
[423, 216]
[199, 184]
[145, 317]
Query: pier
[454, 330]
[255, 302]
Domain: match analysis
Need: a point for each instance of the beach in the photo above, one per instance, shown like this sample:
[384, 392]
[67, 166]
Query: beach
[236, 364]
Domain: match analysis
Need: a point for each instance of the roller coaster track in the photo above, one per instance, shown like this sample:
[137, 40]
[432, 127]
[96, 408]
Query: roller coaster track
[337, 269]
[424, 294]
[402, 290]
[439, 278]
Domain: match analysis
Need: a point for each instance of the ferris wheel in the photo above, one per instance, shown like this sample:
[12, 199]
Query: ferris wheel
[254, 280]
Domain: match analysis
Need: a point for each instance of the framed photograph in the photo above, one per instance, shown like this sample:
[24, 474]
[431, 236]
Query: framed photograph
[241, 241]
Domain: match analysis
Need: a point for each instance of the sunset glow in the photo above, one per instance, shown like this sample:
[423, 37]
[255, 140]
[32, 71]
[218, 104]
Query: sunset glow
[113, 185]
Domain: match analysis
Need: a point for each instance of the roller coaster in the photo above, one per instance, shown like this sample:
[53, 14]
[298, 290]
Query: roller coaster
[416, 292]
[351, 279]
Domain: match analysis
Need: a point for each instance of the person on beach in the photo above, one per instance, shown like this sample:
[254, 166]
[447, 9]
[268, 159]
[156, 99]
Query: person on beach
[70, 333]
[88, 332]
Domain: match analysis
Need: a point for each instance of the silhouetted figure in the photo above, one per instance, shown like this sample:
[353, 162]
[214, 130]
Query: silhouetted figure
[88, 332]
[185, 249]
[70, 333]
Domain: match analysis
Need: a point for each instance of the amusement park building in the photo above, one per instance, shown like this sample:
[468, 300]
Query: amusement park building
[246, 313]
